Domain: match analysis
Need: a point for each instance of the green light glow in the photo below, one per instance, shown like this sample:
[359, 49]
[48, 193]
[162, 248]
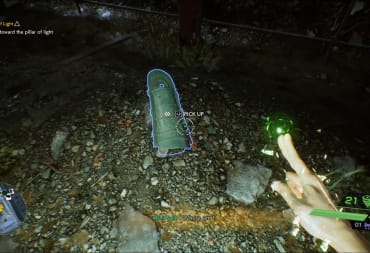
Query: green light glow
[276, 126]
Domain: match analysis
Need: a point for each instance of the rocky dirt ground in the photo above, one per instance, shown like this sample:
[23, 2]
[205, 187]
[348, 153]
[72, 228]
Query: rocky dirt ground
[78, 198]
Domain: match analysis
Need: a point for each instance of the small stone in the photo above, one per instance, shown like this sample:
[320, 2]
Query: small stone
[92, 135]
[211, 130]
[89, 143]
[227, 143]
[279, 246]
[164, 204]
[154, 180]
[213, 201]
[222, 200]
[129, 131]
[238, 104]
[112, 201]
[148, 161]
[165, 167]
[95, 147]
[123, 193]
[222, 178]
[75, 149]
[21, 152]
[179, 163]
[57, 143]
[241, 148]
[45, 174]
[87, 206]
[193, 85]
[207, 120]
[37, 230]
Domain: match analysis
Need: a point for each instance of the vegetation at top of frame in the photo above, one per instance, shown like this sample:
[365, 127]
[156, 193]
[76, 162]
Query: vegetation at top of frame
[164, 44]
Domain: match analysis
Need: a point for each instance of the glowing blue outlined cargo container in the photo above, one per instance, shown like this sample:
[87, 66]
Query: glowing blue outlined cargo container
[170, 132]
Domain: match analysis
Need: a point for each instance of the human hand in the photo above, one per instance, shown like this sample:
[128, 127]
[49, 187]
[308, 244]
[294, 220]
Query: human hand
[303, 192]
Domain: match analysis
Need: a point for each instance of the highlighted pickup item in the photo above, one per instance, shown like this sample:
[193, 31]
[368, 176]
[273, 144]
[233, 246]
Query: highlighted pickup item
[339, 215]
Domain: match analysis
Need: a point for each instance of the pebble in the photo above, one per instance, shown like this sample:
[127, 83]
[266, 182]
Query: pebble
[148, 161]
[75, 149]
[165, 167]
[112, 201]
[164, 204]
[89, 143]
[129, 131]
[207, 120]
[179, 163]
[45, 174]
[20, 152]
[154, 180]
[213, 201]
[279, 246]
[211, 130]
[241, 148]
[123, 193]
[87, 206]
[227, 143]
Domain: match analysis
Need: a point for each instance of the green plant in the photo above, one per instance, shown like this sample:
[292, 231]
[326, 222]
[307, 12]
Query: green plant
[163, 44]
[339, 176]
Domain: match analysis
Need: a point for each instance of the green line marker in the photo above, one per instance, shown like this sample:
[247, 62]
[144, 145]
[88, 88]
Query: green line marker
[339, 215]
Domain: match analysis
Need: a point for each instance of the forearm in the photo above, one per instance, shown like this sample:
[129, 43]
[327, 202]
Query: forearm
[350, 241]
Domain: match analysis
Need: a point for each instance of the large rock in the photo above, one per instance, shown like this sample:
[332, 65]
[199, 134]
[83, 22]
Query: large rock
[136, 232]
[246, 182]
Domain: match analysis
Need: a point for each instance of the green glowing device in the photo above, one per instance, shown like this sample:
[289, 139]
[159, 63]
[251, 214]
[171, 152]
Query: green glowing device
[276, 126]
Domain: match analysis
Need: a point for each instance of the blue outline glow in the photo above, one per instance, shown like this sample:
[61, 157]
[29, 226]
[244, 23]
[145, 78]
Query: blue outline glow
[182, 115]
